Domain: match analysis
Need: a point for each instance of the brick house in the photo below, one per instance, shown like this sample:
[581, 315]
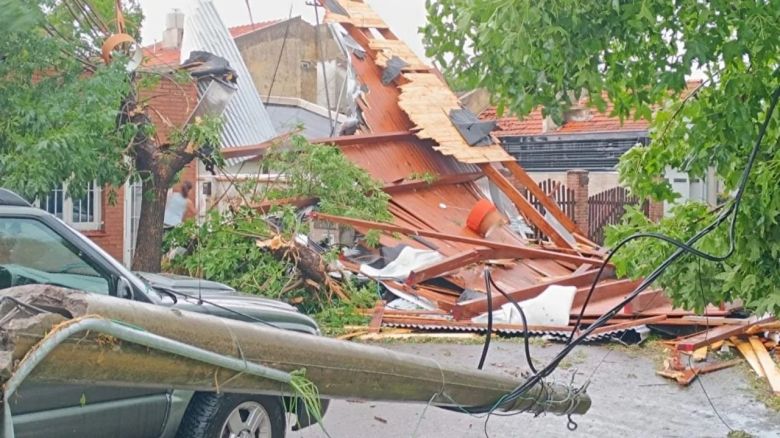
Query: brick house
[109, 216]
[586, 140]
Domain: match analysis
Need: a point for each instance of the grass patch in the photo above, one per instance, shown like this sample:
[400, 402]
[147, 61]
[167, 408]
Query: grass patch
[761, 389]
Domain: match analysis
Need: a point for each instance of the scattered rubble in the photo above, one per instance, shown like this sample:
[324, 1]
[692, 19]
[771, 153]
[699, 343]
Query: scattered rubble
[449, 227]
[755, 339]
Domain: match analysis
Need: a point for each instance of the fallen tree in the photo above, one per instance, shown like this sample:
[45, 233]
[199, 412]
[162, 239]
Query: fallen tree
[33, 315]
[253, 245]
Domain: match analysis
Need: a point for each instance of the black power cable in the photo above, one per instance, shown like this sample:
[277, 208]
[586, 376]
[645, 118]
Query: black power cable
[686, 247]
[489, 292]
[489, 285]
[526, 335]
[683, 248]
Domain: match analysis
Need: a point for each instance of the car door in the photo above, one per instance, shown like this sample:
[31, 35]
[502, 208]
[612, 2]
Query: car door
[32, 252]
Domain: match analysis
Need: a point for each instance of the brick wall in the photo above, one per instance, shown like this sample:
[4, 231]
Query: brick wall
[578, 181]
[111, 235]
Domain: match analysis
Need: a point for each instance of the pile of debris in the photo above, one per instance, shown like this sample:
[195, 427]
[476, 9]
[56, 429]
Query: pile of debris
[756, 339]
[460, 206]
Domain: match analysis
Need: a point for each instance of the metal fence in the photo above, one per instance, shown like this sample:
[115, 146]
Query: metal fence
[607, 208]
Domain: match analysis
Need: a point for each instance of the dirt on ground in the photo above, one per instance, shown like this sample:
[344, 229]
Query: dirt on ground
[629, 399]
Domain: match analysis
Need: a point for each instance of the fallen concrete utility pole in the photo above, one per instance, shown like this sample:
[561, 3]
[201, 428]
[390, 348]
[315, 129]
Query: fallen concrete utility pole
[339, 369]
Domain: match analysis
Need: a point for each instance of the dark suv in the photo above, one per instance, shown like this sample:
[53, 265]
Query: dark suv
[37, 247]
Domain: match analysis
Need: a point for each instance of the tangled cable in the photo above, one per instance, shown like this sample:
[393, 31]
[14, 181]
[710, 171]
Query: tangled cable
[682, 248]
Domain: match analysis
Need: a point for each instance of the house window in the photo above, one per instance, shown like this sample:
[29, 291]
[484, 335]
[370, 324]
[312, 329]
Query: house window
[82, 213]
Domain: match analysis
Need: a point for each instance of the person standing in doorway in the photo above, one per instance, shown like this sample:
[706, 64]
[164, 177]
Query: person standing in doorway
[179, 206]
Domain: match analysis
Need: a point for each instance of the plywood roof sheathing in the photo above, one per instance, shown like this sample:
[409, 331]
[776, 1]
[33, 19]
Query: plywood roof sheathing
[359, 14]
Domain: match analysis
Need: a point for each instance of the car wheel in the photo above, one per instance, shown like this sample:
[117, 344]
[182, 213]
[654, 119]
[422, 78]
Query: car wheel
[212, 415]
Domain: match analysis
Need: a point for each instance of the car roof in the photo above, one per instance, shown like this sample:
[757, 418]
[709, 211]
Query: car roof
[10, 198]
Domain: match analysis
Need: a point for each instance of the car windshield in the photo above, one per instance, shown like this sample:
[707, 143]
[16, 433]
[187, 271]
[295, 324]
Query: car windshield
[32, 253]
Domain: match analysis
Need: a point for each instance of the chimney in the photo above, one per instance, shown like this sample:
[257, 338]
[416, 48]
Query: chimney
[174, 29]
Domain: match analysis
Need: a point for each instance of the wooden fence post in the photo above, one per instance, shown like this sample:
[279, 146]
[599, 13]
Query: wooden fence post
[577, 180]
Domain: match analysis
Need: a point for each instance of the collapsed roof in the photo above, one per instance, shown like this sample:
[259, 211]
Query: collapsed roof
[407, 131]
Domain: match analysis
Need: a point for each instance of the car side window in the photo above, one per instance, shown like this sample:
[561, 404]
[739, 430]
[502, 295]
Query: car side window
[32, 253]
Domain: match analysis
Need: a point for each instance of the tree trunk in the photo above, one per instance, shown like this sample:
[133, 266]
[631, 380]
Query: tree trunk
[148, 246]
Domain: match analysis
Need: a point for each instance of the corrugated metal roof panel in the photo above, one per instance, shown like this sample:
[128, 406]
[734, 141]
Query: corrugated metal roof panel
[246, 120]
[560, 335]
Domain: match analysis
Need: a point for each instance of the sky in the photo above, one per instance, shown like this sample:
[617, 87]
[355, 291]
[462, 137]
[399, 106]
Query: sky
[403, 16]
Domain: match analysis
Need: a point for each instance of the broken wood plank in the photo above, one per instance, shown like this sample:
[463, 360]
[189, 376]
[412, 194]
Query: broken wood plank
[376, 320]
[477, 306]
[448, 264]
[700, 354]
[715, 320]
[524, 205]
[530, 184]
[717, 366]
[716, 334]
[686, 376]
[767, 364]
[746, 349]
[769, 326]
[502, 250]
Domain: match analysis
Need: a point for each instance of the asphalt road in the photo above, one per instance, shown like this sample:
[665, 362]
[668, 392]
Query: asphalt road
[629, 400]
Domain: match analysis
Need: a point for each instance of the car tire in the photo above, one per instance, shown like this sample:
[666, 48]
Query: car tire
[211, 415]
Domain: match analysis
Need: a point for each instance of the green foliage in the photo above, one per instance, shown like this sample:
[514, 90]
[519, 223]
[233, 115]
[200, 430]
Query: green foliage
[16, 16]
[323, 172]
[638, 55]
[333, 317]
[223, 249]
[428, 177]
[58, 118]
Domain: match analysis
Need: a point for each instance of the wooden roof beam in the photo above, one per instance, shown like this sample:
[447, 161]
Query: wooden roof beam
[500, 250]
[526, 208]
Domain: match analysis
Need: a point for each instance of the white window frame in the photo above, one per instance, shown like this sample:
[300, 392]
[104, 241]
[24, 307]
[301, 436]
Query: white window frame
[68, 206]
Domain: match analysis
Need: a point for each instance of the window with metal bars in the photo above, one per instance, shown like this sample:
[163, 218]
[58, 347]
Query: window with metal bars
[83, 213]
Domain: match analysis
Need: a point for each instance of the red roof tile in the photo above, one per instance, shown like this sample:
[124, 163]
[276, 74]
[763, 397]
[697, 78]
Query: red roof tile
[158, 56]
[596, 123]
[242, 30]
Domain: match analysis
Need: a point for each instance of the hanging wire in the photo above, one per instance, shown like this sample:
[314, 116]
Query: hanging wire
[683, 248]
[281, 52]
[322, 62]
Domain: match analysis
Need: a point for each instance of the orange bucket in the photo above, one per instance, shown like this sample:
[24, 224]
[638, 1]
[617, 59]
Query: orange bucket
[483, 217]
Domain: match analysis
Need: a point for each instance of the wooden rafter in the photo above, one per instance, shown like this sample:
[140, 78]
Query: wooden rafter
[526, 208]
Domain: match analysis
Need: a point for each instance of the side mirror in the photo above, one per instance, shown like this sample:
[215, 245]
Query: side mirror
[124, 289]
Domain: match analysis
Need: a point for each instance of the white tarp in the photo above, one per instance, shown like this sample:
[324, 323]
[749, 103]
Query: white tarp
[407, 261]
[551, 307]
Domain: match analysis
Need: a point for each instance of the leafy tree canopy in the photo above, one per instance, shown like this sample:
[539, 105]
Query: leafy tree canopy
[58, 101]
[638, 54]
